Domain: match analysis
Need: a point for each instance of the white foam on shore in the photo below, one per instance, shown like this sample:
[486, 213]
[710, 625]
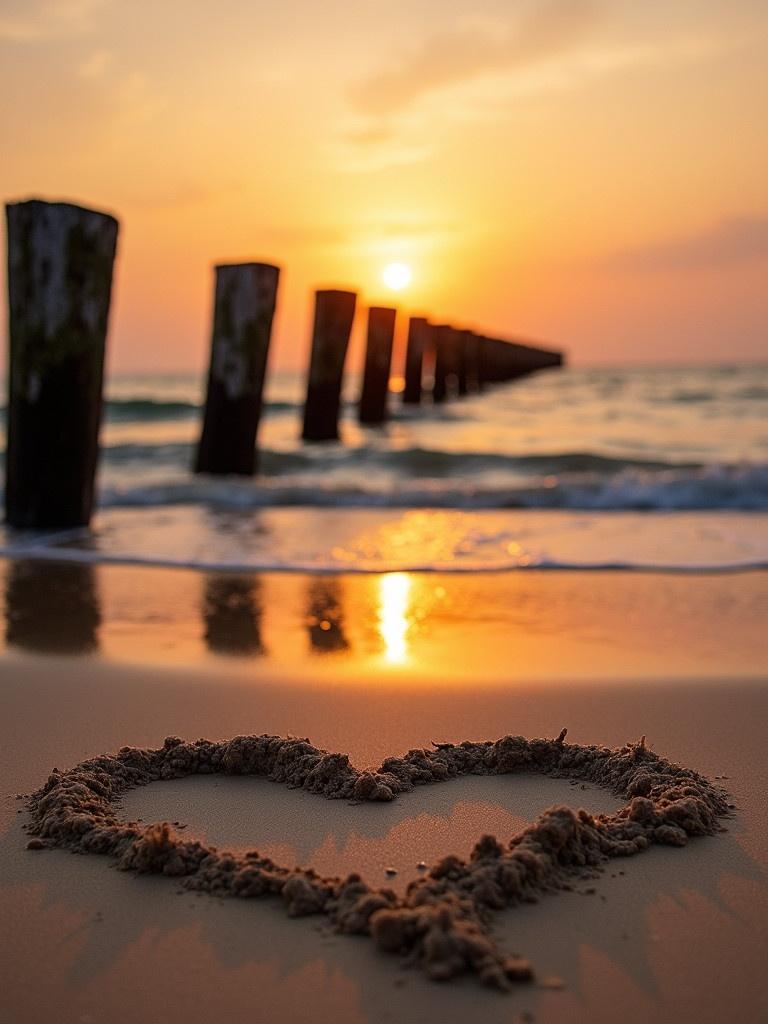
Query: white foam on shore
[424, 540]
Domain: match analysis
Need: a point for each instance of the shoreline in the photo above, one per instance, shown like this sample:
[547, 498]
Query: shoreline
[608, 625]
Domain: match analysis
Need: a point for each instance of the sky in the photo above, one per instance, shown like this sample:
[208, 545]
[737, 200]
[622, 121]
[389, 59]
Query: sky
[591, 174]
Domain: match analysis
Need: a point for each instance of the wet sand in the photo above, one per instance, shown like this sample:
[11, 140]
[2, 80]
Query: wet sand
[681, 935]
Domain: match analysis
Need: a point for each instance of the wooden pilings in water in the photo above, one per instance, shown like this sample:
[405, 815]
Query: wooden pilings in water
[60, 265]
[378, 360]
[334, 314]
[501, 361]
[244, 306]
[60, 261]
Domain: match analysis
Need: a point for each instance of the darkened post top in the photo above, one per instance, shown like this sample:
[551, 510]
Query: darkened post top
[378, 360]
[60, 262]
[334, 314]
[244, 306]
[419, 333]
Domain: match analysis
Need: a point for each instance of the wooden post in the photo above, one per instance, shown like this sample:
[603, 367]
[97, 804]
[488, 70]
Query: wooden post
[472, 361]
[378, 359]
[244, 306]
[334, 314]
[60, 260]
[487, 362]
[462, 363]
[445, 362]
[419, 333]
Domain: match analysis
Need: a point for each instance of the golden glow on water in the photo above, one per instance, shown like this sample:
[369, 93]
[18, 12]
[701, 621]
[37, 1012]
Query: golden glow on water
[394, 624]
[393, 630]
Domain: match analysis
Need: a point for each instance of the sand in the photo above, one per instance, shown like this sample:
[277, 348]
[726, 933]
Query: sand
[680, 935]
[443, 922]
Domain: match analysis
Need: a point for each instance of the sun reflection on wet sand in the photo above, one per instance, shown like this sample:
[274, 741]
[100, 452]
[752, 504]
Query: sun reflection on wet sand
[394, 624]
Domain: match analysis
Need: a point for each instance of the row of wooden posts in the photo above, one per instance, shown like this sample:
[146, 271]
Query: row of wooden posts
[60, 263]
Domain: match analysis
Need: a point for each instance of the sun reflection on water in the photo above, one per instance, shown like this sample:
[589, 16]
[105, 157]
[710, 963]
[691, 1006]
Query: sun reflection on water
[394, 593]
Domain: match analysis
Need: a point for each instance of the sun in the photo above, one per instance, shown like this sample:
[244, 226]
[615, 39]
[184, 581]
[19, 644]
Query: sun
[397, 276]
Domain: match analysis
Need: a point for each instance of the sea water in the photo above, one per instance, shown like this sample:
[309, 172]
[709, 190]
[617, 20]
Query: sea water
[636, 468]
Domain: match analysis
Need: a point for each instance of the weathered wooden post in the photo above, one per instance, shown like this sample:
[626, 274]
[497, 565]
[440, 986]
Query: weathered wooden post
[419, 334]
[446, 338]
[244, 306]
[378, 360]
[60, 260]
[334, 314]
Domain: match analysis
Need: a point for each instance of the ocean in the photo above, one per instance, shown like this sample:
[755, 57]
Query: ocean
[637, 468]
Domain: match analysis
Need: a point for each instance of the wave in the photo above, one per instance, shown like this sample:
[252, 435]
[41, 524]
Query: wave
[329, 566]
[133, 410]
[407, 462]
[151, 410]
[138, 410]
[737, 488]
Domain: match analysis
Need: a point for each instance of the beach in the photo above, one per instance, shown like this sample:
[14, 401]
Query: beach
[384, 548]
[680, 935]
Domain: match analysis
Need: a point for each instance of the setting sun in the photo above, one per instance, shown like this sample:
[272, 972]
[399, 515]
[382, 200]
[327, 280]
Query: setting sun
[397, 276]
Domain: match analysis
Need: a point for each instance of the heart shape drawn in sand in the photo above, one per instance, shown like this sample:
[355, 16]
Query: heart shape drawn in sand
[441, 923]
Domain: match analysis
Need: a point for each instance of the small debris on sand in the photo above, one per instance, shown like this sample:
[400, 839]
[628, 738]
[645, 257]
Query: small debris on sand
[442, 922]
[552, 982]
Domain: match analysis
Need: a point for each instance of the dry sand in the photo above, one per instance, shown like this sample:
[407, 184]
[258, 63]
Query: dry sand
[681, 936]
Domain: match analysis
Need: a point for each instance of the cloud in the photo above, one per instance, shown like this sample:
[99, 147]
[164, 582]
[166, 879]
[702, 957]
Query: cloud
[453, 57]
[32, 20]
[95, 64]
[734, 242]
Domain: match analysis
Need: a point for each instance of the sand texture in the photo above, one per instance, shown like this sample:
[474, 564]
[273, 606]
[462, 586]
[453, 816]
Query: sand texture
[440, 923]
[674, 935]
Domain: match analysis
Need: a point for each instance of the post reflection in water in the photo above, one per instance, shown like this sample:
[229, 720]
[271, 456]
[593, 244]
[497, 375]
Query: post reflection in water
[232, 611]
[52, 608]
[394, 624]
[325, 617]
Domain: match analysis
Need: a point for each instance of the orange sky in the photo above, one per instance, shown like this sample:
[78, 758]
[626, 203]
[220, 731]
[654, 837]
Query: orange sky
[592, 174]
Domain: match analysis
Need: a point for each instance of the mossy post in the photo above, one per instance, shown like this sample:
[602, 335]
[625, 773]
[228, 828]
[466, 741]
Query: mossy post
[378, 360]
[60, 261]
[244, 306]
[419, 336]
[334, 314]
